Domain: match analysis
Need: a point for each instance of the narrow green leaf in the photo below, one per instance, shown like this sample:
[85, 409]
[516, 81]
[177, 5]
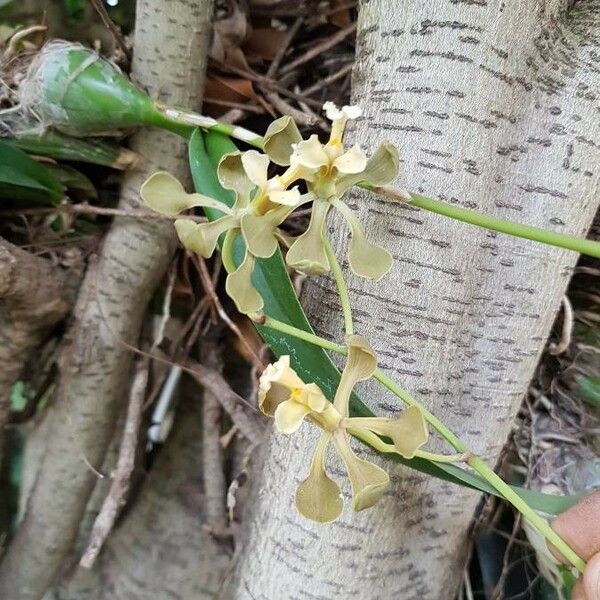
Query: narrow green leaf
[312, 363]
[18, 398]
[62, 147]
[24, 179]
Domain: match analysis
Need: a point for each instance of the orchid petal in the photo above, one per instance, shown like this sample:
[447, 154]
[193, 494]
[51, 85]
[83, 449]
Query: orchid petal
[287, 197]
[239, 287]
[352, 161]
[283, 374]
[360, 365]
[339, 118]
[270, 398]
[332, 112]
[307, 253]
[202, 238]
[314, 398]
[275, 385]
[365, 259]
[318, 497]
[381, 168]
[164, 193]
[408, 431]
[310, 154]
[369, 482]
[256, 166]
[289, 416]
[232, 176]
[280, 137]
[259, 230]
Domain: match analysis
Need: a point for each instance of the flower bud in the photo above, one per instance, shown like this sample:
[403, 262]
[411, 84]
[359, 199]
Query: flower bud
[76, 91]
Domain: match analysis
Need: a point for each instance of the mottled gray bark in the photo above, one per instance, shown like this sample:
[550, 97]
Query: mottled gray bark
[494, 106]
[171, 41]
[162, 548]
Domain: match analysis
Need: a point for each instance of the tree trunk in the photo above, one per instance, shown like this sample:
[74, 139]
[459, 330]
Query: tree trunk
[162, 548]
[170, 56]
[494, 106]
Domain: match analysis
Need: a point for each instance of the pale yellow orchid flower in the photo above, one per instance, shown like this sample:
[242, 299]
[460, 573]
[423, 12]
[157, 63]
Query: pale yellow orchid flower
[261, 205]
[330, 170]
[283, 395]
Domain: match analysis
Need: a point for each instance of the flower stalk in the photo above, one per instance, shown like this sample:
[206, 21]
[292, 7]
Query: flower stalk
[472, 460]
[528, 232]
[73, 89]
[342, 288]
[80, 93]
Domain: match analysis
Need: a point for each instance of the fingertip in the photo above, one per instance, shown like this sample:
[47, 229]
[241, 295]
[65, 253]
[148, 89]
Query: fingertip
[591, 579]
[579, 527]
[578, 592]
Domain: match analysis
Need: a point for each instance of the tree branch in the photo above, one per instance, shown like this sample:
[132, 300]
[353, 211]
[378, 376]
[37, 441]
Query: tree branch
[96, 367]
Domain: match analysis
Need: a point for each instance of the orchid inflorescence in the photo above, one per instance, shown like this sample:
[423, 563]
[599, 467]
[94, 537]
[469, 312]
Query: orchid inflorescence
[262, 204]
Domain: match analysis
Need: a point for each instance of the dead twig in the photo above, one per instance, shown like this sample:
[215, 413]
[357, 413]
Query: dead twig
[287, 109]
[264, 82]
[239, 105]
[291, 33]
[566, 331]
[87, 209]
[248, 423]
[213, 472]
[166, 307]
[232, 116]
[328, 80]
[317, 50]
[119, 488]
[114, 30]
[246, 419]
[209, 289]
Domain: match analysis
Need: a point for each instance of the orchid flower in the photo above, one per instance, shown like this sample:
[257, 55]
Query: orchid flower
[330, 170]
[261, 205]
[283, 395]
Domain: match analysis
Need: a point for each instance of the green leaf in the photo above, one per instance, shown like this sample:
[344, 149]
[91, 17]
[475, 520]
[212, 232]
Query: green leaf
[24, 179]
[74, 180]
[312, 363]
[74, 9]
[589, 388]
[62, 147]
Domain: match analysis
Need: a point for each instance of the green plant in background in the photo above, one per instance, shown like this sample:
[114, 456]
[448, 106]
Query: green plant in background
[74, 90]
[22, 178]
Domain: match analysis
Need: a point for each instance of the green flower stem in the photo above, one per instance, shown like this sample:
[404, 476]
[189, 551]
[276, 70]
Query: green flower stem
[340, 282]
[391, 385]
[299, 333]
[184, 121]
[478, 465]
[475, 462]
[528, 232]
[181, 117]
